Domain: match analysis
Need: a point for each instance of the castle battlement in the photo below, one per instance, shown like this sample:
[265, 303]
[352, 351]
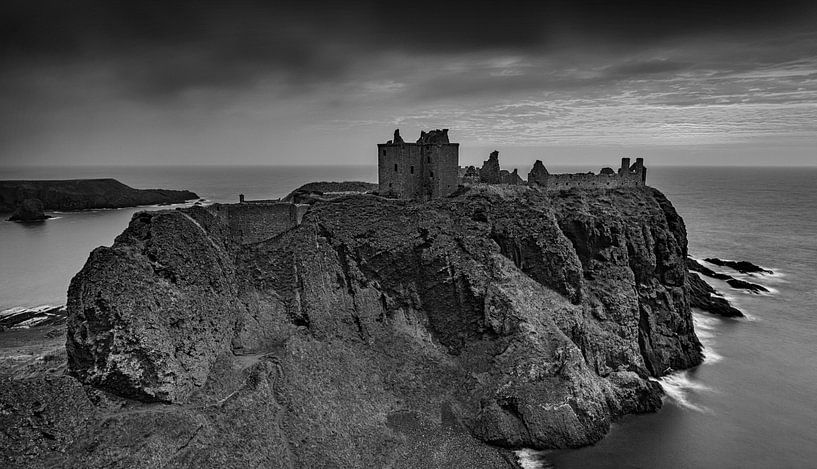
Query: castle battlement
[428, 168]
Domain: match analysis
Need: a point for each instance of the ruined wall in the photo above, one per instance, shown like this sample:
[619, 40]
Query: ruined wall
[490, 172]
[254, 222]
[627, 176]
[588, 181]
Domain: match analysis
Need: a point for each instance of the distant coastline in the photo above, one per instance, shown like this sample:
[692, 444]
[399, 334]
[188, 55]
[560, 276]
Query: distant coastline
[84, 194]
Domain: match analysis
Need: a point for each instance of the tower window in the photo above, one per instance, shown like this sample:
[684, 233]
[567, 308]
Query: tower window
[428, 159]
[384, 152]
[395, 167]
[432, 173]
[411, 170]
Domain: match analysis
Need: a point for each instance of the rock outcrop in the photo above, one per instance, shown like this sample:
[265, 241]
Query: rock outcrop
[695, 266]
[743, 267]
[380, 332]
[149, 316]
[315, 191]
[703, 296]
[81, 194]
[29, 210]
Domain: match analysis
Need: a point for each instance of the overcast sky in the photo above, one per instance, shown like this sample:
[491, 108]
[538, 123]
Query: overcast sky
[302, 82]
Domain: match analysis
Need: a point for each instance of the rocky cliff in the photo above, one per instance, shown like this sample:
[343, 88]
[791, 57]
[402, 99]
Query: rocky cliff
[81, 194]
[378, 333]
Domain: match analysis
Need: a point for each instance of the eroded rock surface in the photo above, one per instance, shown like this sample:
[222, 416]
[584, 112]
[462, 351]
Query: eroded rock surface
[381, 332]
[695, 266]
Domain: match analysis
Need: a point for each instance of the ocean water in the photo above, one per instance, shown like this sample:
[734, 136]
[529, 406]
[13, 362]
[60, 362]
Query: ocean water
[752, 404]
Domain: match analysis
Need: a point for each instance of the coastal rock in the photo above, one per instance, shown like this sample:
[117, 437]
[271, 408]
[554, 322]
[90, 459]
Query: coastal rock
[149, 315]
[695, 266]
[314, 191]
[744, 285]
[29, 210]
[703, 296]
[744, 267]
[82, 194]
[507, 316]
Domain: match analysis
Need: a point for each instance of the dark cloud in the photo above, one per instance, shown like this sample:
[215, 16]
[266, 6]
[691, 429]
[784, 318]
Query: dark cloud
[163, 47]
[97, 81]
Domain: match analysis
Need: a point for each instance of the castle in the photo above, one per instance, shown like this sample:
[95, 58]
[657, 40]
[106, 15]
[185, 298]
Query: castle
[423, 170]
[429, 169]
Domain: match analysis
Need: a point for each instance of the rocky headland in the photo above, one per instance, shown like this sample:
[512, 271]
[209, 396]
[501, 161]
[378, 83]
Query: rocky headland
[377, 333]
[82, 194]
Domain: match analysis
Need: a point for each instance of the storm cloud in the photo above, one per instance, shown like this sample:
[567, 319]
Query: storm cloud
[126, 77]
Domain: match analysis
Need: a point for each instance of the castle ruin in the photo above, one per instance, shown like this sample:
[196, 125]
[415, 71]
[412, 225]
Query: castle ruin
[423, 170]
[257, 220]
[627, 176]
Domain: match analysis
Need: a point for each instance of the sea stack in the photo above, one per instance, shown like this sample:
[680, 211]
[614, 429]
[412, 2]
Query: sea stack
[29, 210]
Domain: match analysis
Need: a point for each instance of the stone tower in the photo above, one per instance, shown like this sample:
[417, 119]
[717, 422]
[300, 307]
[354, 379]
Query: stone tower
[423, 170]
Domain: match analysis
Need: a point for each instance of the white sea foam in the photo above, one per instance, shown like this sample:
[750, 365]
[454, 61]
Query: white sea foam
[14, 310]
[26, 309]
[705, 330]
[532, 459]
[679, 386]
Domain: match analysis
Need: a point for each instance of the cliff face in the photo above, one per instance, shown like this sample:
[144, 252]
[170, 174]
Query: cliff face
[81, 194]
[382, 332]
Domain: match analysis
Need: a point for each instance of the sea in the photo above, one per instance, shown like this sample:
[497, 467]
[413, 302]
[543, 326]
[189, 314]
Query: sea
[751, 404]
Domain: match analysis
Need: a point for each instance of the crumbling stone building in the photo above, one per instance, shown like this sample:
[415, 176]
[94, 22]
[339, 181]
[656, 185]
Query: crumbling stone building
[627, 176]
[423, 170]
[489, 173]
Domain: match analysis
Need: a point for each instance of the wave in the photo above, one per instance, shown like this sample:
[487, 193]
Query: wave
[21, 317]
[705, 330]
[532, 459]
[679, 386]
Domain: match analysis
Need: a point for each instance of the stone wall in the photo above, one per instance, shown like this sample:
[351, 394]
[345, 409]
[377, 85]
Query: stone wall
[627, 176]
[254, 222]
[490, 169]
[588, 181]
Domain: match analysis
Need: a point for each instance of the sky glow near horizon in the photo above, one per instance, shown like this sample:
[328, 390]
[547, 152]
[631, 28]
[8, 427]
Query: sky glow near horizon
[243, 83]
